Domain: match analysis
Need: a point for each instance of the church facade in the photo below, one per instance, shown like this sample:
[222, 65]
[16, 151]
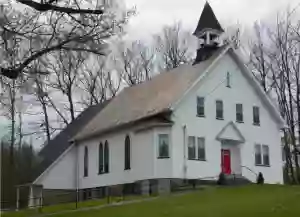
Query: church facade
[190, 123]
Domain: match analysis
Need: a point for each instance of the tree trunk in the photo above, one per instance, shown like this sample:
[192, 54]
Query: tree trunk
[12, 136]
[20, 130]
[292, 128]
[72, 112]
[289, 164]
[46, 118]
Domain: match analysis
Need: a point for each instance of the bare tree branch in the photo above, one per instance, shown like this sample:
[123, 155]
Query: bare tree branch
[48, 6]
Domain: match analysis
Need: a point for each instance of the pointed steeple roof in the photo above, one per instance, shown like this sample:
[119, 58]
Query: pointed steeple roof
[208, 20]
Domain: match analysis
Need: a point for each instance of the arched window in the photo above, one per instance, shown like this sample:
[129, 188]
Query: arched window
[127, 153]
[101, 159]
[106, 157]
[86, 162]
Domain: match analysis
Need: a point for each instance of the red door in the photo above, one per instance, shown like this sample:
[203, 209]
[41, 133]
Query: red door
[226, 162]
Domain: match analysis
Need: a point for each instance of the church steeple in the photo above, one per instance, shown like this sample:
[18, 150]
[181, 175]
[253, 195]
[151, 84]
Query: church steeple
[207, 31]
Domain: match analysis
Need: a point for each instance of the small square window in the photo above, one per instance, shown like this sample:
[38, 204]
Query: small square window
[163, 146]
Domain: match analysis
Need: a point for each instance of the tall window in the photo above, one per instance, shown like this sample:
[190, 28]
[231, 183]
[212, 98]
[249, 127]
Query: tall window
[127, 153]
[101, 159]
[191, 148]
[106, 157]
[196, 148]
[266, 157]
[262, 157]
[219, 109]
[163, 146]
[258, 160]
[256, 118]
[239, 113]
[228, 80]
[200, 107]
[201, 148]
[86, 162]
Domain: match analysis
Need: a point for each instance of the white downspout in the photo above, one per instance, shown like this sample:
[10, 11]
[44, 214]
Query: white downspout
[77, 170]
[184, 152]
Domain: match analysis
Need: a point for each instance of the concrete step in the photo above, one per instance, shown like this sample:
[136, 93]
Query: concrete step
[236, 179]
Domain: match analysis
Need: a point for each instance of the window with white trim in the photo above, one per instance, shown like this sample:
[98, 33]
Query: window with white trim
[262, 155]
[219, 110]
[103, 158]
[196, 148]
[228, 80]
[127, 153]
[86, 162]
[200, 106]
[239, 113]
[256, 116]
[163, 146]
[191, 148]
[201, 148]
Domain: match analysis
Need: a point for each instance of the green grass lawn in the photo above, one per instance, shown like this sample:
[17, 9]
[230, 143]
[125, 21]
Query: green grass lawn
[71, 206]
[250, 201]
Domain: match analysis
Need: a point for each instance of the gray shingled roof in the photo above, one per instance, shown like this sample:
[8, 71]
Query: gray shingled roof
[146, 99]
[208, 20]
[51, 151]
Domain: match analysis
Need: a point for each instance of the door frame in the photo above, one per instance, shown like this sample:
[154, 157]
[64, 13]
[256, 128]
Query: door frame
[228, 169]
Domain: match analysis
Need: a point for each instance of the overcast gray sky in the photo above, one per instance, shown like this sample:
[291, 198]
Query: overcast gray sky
[152, 14]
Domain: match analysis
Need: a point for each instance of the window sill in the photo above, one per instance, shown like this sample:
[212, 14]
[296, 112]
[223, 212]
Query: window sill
[254, 124]
[198, 160]
[261, 165]
[127, 169]
[103, 173]
[221, 119]
[240, 122]
[200, 116]
[163, 157]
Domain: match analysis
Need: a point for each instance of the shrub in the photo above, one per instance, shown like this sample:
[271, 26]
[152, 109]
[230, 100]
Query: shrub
[260, 179]
[222, 179]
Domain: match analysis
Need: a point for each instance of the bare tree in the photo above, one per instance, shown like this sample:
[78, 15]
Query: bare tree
[93, 82]
[258, 57]
[134, 62]
[41, 94]
[66, 69]
[51, 26]
[277, 60]
[172, 45]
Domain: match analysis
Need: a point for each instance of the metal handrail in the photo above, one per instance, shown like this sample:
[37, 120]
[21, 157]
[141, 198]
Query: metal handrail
[250, 170]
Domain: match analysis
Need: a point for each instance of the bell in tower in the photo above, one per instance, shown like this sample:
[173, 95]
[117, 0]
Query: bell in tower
[208, 31]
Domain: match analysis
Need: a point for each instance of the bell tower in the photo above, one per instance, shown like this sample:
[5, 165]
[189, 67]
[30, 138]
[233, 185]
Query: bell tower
[208, 31]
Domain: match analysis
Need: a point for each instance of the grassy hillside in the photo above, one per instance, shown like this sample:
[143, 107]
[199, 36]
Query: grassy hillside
[258, 201]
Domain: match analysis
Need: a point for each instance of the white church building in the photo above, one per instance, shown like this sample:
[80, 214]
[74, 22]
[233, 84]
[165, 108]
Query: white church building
[190, 123]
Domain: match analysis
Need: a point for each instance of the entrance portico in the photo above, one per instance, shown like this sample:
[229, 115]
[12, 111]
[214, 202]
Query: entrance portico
[230, 138]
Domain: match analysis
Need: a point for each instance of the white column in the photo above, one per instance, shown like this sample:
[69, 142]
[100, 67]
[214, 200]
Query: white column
[207, 37]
